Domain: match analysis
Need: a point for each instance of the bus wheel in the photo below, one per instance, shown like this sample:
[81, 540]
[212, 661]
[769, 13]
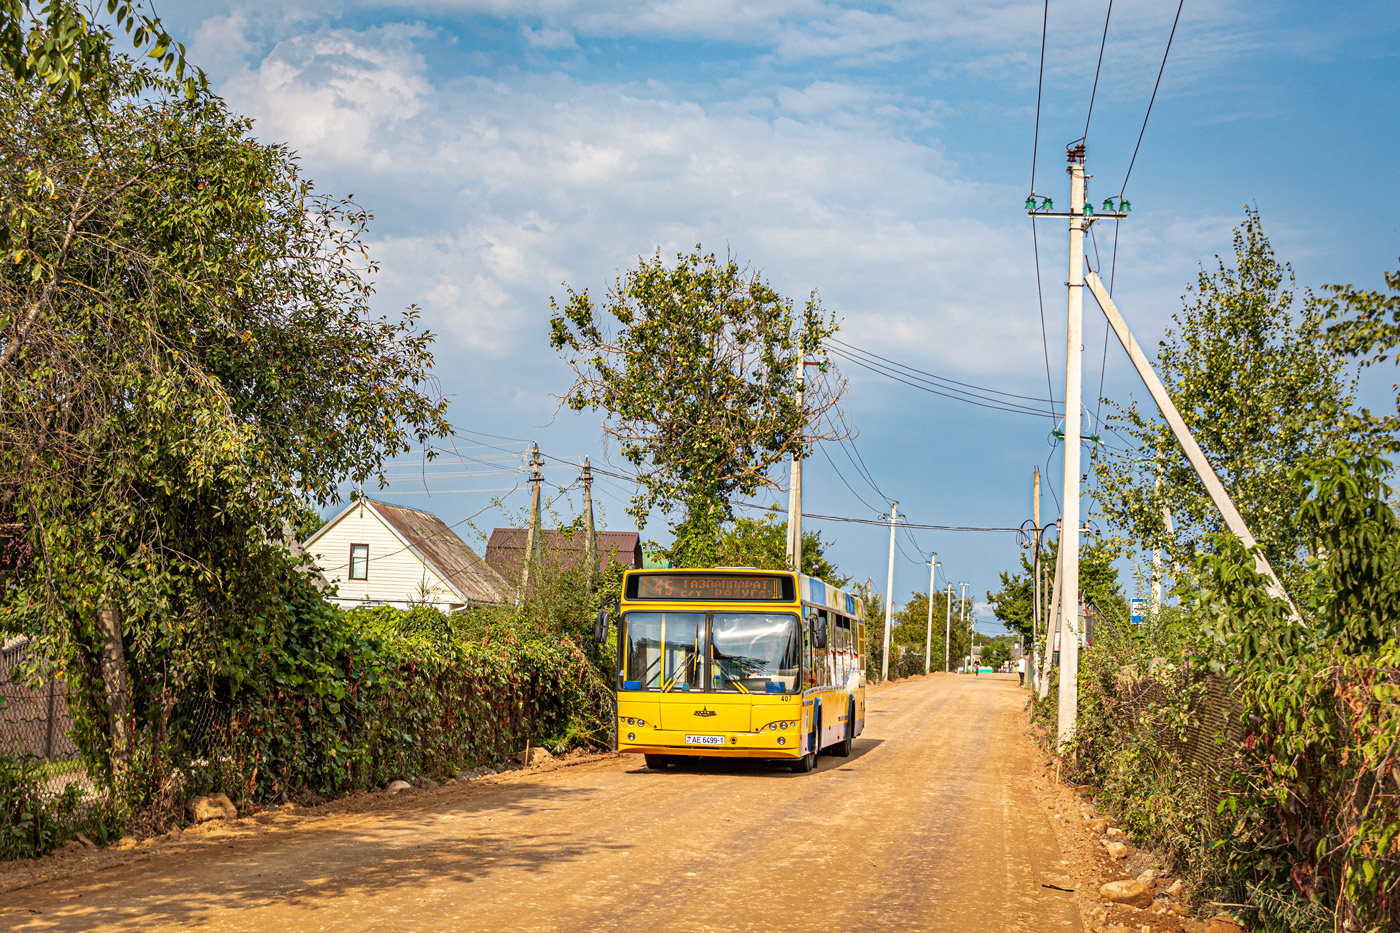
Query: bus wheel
[658, 762]
[804, 764]
[842, 749]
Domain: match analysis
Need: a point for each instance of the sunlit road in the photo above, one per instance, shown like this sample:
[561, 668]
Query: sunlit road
[929, 825]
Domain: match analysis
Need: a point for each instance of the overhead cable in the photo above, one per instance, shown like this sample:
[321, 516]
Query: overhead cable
[1152, 99]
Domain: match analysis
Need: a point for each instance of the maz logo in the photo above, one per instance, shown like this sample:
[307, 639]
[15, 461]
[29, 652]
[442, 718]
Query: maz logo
[702, 711]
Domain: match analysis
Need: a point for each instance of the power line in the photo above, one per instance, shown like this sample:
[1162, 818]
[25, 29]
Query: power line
[843, 480]
[878, 522]
[924, 386]
[431, 534]
[1153, 98]
[1040, 298]
[942, 381]
[1112, 274]
[1092, 94]
[1039, 86]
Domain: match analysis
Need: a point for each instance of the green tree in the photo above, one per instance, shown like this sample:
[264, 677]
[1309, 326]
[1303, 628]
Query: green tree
[189, 364]
[1013, 603]
[762, 543]
[64, 51]
[995, 653]
[695, 366]
[912, 628]
[1365, 324]
[1249, 369]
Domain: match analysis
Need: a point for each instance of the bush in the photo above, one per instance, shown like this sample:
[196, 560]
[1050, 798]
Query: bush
[1258, 751]
[325, 702]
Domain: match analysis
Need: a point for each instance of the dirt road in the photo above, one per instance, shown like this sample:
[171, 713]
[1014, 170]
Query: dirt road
[931, 824]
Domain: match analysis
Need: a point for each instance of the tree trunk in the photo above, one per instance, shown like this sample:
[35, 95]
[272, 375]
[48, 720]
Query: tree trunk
[114, 681]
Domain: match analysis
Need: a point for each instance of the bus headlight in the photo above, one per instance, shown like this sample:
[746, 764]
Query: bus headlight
[631, 722]
[641, 722]
[631, 736]
[782, 740]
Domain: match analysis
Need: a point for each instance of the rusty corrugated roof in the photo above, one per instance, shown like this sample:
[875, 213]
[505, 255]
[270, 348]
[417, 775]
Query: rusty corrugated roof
[505, 549]
[445, 554]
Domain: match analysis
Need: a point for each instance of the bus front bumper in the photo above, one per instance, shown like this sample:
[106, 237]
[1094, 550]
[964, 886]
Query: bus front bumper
[736, 744]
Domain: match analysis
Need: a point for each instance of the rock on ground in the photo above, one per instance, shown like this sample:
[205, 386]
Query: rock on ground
[1117, 850]
[214, 807]
[533, 756]
[397, 787]
[1132, 893]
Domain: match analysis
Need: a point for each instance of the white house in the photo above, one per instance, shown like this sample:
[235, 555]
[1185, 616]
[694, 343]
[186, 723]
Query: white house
[377, 554]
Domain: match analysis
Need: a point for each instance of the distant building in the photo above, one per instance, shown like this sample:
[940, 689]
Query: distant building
[505, 550]
[378, 554]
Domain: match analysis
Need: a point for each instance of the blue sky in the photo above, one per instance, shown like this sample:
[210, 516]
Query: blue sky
[878, 153]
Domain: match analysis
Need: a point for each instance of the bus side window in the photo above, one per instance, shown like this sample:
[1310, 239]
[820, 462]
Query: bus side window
[829, 654]
[843, 625]
[809, 670]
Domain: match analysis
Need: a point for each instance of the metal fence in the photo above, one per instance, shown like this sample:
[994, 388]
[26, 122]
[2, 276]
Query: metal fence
[35, 724]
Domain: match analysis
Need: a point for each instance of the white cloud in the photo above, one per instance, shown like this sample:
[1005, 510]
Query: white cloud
[490, 191]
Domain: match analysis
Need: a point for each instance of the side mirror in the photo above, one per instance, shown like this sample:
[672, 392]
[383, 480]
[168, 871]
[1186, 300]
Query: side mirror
[819, 634]
[600, 627]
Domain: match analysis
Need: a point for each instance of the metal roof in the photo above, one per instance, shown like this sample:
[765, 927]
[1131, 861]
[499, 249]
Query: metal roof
[447, 555]
[505, 549]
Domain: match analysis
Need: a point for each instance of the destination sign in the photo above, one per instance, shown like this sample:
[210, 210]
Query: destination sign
[713, 587]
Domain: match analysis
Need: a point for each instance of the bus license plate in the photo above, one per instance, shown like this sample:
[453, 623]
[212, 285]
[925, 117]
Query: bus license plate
[704, 740]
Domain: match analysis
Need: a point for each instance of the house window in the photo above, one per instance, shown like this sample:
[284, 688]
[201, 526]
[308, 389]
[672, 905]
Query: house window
[359, 562]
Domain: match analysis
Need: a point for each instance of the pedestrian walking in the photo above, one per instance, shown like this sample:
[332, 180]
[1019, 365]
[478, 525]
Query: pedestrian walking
[1021, 671]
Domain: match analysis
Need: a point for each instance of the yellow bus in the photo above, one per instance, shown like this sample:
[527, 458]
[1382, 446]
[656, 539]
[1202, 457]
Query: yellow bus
[736, 662]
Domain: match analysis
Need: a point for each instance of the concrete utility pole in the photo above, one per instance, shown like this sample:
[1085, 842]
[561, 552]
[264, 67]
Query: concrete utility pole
[933, 565]
[1157, 553]
[948, 631]
[889, 595]
[794, 525]
[963, 609]
[1035, 581]
[1233, 520]
[590, 544]
[532, 535]
[1069, 529]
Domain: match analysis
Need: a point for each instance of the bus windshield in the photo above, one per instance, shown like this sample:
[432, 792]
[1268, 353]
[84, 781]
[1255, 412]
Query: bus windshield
[754, 652]
[664, 650]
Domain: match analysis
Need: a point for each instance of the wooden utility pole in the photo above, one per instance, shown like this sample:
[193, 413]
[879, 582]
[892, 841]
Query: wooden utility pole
[889, 595]
[532, 535]
[590, 544]
[928, 636]
[794, 525]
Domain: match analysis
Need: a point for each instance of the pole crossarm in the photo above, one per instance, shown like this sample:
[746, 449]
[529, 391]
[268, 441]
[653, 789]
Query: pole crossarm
[1233, 520]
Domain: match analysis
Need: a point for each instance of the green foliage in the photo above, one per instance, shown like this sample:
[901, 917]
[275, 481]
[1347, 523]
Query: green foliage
[66, 53]
[189, 366]
[1262, 390]
[1303, 776]
[911, 630]
[762, 543]
[1365, 324]
[698, 383]
[995, 654]
[1013, 604]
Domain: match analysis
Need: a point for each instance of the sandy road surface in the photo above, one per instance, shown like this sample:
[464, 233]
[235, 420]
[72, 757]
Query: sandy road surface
[931, 824]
